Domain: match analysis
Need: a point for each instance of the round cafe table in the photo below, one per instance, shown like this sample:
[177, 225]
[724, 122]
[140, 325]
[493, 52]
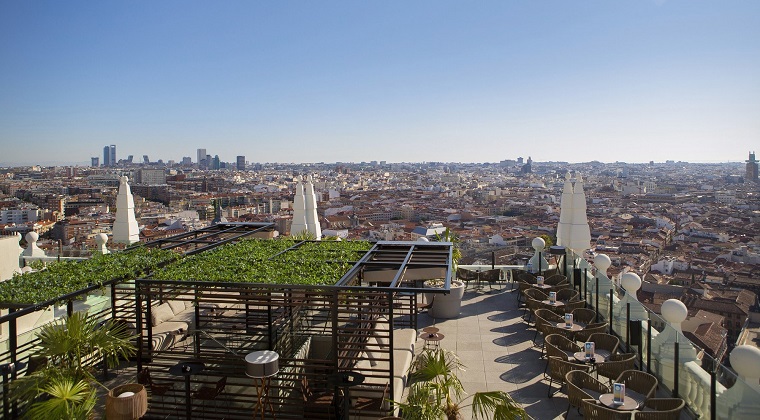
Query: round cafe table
[573, 328]
[581, 357]
[432, 339]
[430, 330]
[630, 402]
[541, 286]
[556, 303]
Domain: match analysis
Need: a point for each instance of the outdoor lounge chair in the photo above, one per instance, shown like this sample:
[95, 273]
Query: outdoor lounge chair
[558, 370]
[584, 315]
[593, 410]
[616, 364]
[466, 276]
[582, 386]
[591, 329]
[208, 394]
[491, 276]
[638, 381]
[661, 409]
[605, 344]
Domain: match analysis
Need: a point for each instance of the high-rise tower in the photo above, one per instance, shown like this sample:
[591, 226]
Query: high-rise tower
[201, 155]
[751, 171]
[112, 153]
[106, 156]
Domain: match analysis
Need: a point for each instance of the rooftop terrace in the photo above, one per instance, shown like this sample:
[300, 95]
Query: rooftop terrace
[320, 329]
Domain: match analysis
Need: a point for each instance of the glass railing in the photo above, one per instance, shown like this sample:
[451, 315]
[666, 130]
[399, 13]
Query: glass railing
[682, 368]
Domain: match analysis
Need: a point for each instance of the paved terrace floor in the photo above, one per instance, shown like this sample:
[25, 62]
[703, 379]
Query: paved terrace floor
[496, 346]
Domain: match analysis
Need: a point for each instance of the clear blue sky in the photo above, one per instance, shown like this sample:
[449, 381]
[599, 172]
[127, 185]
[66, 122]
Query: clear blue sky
[309, 81]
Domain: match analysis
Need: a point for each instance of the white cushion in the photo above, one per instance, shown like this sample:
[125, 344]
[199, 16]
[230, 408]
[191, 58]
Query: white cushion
[161, 313]
[177, 306]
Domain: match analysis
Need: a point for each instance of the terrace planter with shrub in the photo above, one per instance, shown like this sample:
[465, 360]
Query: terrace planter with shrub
[445, 305]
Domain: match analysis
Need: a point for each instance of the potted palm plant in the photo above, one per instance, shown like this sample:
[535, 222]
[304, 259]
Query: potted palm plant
[437, 393]
[66, 386]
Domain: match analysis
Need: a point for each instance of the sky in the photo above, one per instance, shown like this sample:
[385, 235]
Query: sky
[400, 81]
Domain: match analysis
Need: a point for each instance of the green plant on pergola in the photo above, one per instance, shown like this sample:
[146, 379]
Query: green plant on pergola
[283, 261]
[65, 277]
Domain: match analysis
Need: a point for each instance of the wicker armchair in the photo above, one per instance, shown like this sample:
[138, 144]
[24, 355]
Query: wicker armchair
[533, 298]
[568, 295]
[544, 317]
[584, 315]
[491, 276]
[561, 286]
[605, 344]
[616, 364]
[536, 294]
[591, 329]
[532, 306]
[559, 346]
[524, 282]
[466, 276]
[555, 279]
[581, 386]
[592, 410]
[558, 370]
[661, 409]
[569, 307]
[638, 381]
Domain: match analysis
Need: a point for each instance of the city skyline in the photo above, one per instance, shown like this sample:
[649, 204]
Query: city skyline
[394, 81]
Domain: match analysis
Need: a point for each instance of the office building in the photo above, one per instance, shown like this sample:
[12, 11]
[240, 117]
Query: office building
[201, 155]
[106, 156]
[94, 161]
[150, 176]
[241, 163]
[109, 155]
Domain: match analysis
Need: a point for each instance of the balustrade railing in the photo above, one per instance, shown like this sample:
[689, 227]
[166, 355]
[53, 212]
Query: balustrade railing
[711, 390]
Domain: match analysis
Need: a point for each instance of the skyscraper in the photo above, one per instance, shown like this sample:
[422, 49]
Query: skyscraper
[241, 163]
[201, 155]
[106, 156]
[113, 154]
[95, 161]
[751, 169]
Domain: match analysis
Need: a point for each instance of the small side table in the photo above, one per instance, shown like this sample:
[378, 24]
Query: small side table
[432, 340]
[262, 365]
[430, 330]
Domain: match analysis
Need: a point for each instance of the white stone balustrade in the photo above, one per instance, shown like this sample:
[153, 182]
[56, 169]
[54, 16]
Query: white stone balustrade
[742, 401]
[100, 240]
[538, 262]
[32, 250]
